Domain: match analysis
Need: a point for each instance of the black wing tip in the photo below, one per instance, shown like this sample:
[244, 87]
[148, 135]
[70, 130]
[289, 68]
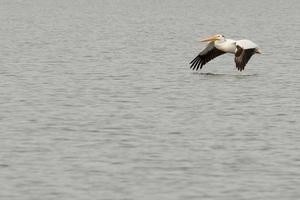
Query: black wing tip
[240, 67]
[196, 62]
[242, 57]
[201, 60]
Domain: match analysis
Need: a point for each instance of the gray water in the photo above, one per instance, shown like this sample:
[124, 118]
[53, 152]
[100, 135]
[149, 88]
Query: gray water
[97, 101]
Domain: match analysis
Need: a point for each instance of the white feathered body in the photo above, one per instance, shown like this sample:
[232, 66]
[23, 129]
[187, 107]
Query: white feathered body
[230, 46]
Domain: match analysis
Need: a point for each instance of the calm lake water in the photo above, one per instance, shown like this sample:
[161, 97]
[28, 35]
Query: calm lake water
[97, 101]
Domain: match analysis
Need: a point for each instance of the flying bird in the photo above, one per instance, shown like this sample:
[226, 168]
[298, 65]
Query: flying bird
[219, 45]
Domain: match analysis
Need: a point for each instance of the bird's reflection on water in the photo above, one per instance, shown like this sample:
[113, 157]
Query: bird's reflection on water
[221, 74]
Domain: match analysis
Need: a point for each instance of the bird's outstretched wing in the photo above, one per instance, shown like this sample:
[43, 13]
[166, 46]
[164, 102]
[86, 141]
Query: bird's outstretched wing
[210, 52]
[242, 56]
[244, 50]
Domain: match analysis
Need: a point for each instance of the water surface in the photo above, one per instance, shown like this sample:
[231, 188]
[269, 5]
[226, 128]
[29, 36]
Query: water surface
[98, 101]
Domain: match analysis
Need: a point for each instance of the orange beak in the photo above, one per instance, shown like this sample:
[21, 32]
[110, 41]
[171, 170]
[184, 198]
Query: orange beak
[210, 39]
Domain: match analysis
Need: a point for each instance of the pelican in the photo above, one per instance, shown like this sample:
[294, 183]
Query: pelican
[219, 45]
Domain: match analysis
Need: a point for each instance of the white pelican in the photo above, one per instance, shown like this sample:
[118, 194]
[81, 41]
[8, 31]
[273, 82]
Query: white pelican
[218, 45]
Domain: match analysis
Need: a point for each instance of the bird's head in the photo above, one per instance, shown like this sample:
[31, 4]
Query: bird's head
[213, 38]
